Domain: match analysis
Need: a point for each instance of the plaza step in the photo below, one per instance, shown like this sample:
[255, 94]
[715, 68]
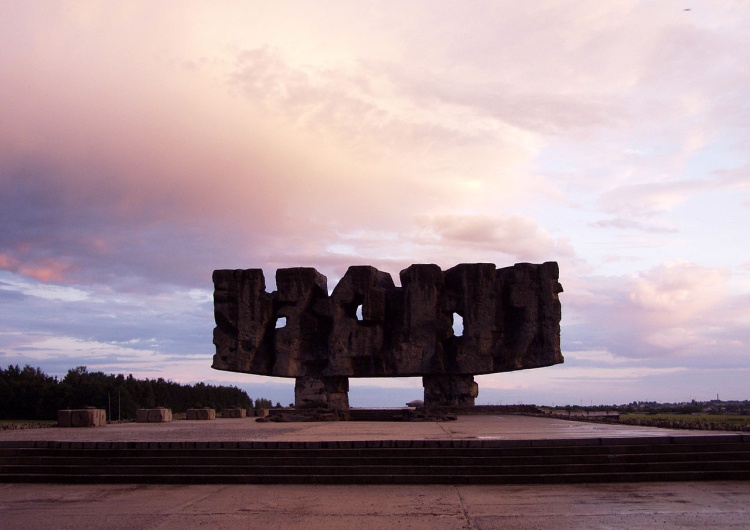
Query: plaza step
[667, 458]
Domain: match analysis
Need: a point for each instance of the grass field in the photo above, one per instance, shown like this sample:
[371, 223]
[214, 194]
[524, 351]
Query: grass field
[691, 418]
[25, 424]
[19, 422]
[690, 421]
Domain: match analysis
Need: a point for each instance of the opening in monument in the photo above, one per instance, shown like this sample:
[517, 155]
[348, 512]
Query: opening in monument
[458, 325]
[377, 392]
[353, 309]
[280, 322]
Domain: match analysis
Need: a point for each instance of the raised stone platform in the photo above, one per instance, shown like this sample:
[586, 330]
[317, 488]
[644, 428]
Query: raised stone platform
[667, 505]
[464, 428]
[488, 450]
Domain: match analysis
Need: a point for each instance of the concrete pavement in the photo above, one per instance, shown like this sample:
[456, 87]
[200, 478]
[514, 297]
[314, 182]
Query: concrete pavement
[114, 507]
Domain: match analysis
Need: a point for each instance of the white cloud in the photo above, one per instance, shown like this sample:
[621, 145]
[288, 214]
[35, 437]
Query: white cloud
[44, 291]
[41, 348]
[595, 356]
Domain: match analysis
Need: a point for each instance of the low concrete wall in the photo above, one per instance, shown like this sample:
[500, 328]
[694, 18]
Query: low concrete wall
[157, 415]
[81, 418]
[260, 413]
[204, 413]
[234, 413]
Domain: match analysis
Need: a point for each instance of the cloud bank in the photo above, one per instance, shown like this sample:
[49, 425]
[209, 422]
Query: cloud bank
[144, 145]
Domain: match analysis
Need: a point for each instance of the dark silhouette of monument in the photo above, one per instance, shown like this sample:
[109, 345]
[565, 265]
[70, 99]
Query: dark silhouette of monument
[368, 327]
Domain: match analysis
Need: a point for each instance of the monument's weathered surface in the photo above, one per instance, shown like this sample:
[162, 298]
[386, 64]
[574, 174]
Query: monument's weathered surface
[368, 327]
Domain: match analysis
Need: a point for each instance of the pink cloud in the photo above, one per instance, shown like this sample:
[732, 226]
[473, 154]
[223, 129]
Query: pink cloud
[47, 270]
[678, 289]
[7, 262]
[517, 236]
[677, 309]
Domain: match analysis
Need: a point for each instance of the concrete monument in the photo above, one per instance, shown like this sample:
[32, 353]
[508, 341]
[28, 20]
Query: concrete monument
[369, 327]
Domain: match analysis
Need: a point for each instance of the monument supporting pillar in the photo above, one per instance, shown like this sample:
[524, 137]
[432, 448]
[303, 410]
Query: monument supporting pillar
[449, 390]
[312, 392]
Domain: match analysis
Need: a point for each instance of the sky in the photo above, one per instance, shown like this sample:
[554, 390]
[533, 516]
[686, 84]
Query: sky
[145, 144]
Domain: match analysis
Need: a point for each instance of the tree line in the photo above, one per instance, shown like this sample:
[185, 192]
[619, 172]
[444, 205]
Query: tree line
[29, 394]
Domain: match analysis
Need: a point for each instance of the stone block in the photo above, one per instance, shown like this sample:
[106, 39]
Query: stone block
[234, 413]
[156, 415]
[204, 413]
[81, 418]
